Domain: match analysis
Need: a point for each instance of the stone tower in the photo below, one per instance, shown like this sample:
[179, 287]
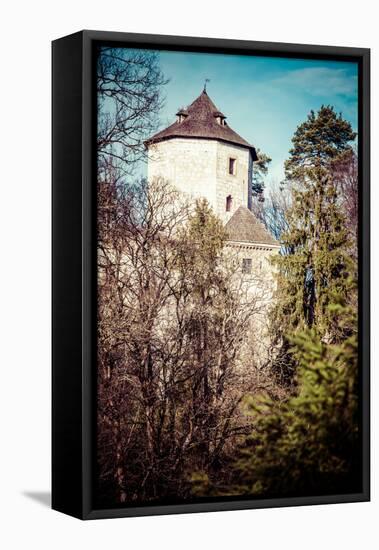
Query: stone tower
[202, 156]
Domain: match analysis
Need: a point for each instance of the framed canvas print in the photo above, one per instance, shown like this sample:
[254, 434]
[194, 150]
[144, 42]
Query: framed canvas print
[210, 274]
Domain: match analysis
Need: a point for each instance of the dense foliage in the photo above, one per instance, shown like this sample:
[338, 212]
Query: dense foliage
[308, 444]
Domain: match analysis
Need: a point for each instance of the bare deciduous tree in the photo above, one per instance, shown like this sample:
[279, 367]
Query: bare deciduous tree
[129, 84]
[345, 173]
[273, 211]
[173, 354]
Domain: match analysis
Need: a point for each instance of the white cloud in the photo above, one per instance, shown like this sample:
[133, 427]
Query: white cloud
[319, 81]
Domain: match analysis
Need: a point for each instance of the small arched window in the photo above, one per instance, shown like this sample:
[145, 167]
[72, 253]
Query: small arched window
[228, 205]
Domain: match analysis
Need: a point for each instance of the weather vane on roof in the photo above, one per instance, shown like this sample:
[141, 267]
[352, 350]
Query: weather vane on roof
[205, 84]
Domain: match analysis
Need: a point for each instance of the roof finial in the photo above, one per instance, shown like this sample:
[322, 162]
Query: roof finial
[205, 84]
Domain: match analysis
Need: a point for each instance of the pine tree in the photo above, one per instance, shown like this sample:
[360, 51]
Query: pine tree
[260, 171]
[308, 444]
[322, 138]
[316, 269]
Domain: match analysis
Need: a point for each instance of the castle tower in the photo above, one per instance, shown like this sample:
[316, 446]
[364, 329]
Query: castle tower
[202, 156]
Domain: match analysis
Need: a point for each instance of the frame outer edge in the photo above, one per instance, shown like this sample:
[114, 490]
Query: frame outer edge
[88, 244]
[365, 274]
[66, 271]
[88, 275]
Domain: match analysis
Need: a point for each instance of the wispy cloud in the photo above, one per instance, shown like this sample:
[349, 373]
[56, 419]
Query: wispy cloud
[319, 81]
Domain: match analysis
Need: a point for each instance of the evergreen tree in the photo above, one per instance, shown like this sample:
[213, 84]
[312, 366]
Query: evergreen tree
[322, 138]
[260, 171]
[309, 444]
[317, 268]
[207, 236]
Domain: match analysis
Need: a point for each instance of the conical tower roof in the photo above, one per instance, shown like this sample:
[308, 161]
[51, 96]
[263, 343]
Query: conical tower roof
[202, 119]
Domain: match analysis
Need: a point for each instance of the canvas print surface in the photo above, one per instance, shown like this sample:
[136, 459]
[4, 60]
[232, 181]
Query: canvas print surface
[227, 271]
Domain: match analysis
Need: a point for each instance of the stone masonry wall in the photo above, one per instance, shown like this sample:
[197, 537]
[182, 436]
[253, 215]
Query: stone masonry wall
[200, 168]
[189, 164]
[237, 185]
[258, 290]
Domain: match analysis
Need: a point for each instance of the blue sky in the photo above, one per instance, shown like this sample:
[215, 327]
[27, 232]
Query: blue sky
[264, 98]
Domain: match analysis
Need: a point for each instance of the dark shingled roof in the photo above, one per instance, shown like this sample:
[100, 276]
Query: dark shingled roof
[201, 122]
[243, 226]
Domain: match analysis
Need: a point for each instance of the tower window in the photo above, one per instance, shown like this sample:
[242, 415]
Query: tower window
[220, 118]
[246, 265]
[229, 201]
[182, 114]
[232, 166]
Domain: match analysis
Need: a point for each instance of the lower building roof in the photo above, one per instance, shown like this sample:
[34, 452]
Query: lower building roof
[244, 227]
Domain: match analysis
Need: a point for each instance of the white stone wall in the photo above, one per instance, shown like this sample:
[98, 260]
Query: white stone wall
[238, 184]
[257, 289]
[262, 279]
[200, 168]
[188, 164]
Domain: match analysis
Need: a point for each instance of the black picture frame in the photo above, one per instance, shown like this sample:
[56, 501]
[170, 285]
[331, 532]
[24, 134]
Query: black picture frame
[74, 265]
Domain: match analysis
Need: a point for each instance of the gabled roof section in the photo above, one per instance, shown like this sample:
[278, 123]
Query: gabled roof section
[201, 121]
[244, 227]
